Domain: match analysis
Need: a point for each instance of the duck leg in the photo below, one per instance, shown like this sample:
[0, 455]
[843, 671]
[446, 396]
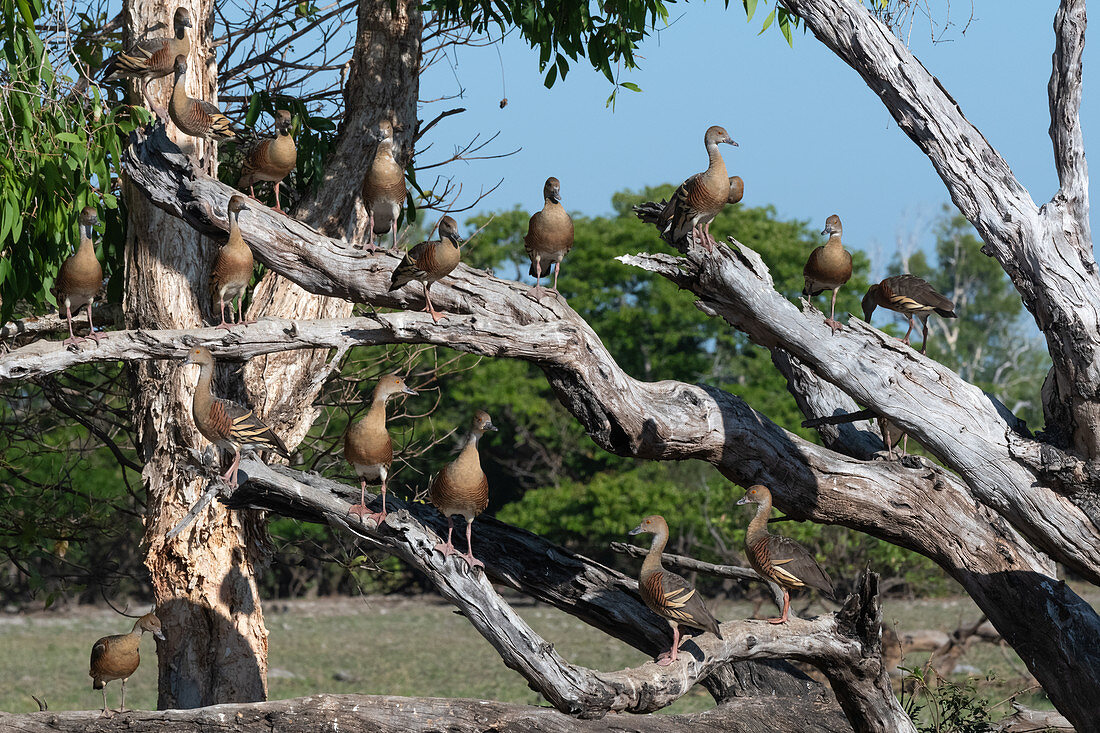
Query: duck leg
[905, 339]
[278, 206]
[230, 476]
[831, 321]
[537, 291]
[670, 656]
[73, 338]
[361, 509]
[448, 549]
[786, 609]
[123, 708]
[557, 269]
[711, 241]
[924, 334]
[472, 561]
[105, 713]
[221, 302]
[243, 320]
[436, 315]
[96, 337]
[370, 231]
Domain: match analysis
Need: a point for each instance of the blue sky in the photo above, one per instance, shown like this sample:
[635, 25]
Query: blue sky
[814, 140]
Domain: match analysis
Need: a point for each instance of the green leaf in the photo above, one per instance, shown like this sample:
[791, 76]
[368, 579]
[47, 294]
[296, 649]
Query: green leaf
[768, 21]
[631, 86]
[551, 77]
[750, 8]
[69, 137]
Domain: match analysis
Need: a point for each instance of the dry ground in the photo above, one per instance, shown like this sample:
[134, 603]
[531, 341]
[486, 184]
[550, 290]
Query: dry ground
[398, 646]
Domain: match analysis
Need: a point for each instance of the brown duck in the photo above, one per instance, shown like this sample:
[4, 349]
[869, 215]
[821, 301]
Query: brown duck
[549, 236]
[226, 424]
[368, 447]
[271, 159]
[910, 296]
[116, 657]
[196, 117]
[153, 58]
[891, 436]
[430, 261]
[780, 559]
[829, 268]
[461, 488]
[233, 268]
[667, 594]
[80, 278]
[700, 198]
[383, 188]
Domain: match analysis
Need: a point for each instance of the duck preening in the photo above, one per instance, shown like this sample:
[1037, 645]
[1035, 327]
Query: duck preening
[226, 424]
[700, 198]
[383, 188]
[368, 447]
[549, 236]
[233, 267]
[781, 559]
[462, 488]
[271, 159]
[910, 296]
[80, 278]
[427, 262]
[829, 268]
[116, 657]
[667, 594]
[196, 117]
[152, 58]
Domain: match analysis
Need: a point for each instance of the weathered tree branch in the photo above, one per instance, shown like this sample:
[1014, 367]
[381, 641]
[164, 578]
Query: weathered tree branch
[1064, 92]
[377, 714]
[846, 647]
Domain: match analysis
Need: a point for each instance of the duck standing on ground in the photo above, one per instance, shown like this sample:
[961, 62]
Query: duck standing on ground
[667, 594]
[910, 296]
[462, 488]
[700, 198]
[368, 447]
[233, 268]
[116, 657]
[780, 559]
[271, 159]
[549, 236]
[829, 268]
[80, 278]
[430, 261]
[226, 424]
[152, 58]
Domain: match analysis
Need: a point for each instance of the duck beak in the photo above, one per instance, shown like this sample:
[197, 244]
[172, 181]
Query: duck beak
[492, 427]
[409, 391]
[636, 530]
[729, 140]
[557, 198]
[743, 500]
[825, 230]
[187, 360]
[159, 634]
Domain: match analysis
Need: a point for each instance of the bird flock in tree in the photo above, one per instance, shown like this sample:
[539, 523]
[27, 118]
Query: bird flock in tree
[460, 487]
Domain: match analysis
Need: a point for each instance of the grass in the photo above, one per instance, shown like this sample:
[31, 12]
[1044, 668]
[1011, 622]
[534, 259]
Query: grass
[397, 646]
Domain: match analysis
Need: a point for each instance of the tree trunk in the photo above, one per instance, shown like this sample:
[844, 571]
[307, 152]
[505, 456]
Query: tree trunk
[203, 580]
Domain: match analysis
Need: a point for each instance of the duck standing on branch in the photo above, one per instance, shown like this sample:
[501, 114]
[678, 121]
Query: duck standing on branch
[116, 657]
[829, 268]
[226, 424]
[271, 159]
[368, 447]
[780, 559]
[430, 261]
[153, 58]
[667, 594]
[910, 296]
[80, 278]
[383, 188]
[196, 117]
[233, 268]
[549, 236]
[462, 488]
[700, 198]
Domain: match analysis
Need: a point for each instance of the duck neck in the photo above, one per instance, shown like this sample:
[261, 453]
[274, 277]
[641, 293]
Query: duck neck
[652, 561]
[181, 32]
[717, 167]
[235, 238]
[203, 395]
[179, 94]
[87, 245]
[469, 455]
[376, 416]
[834, 241]
[758, 527]
[137, 630]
